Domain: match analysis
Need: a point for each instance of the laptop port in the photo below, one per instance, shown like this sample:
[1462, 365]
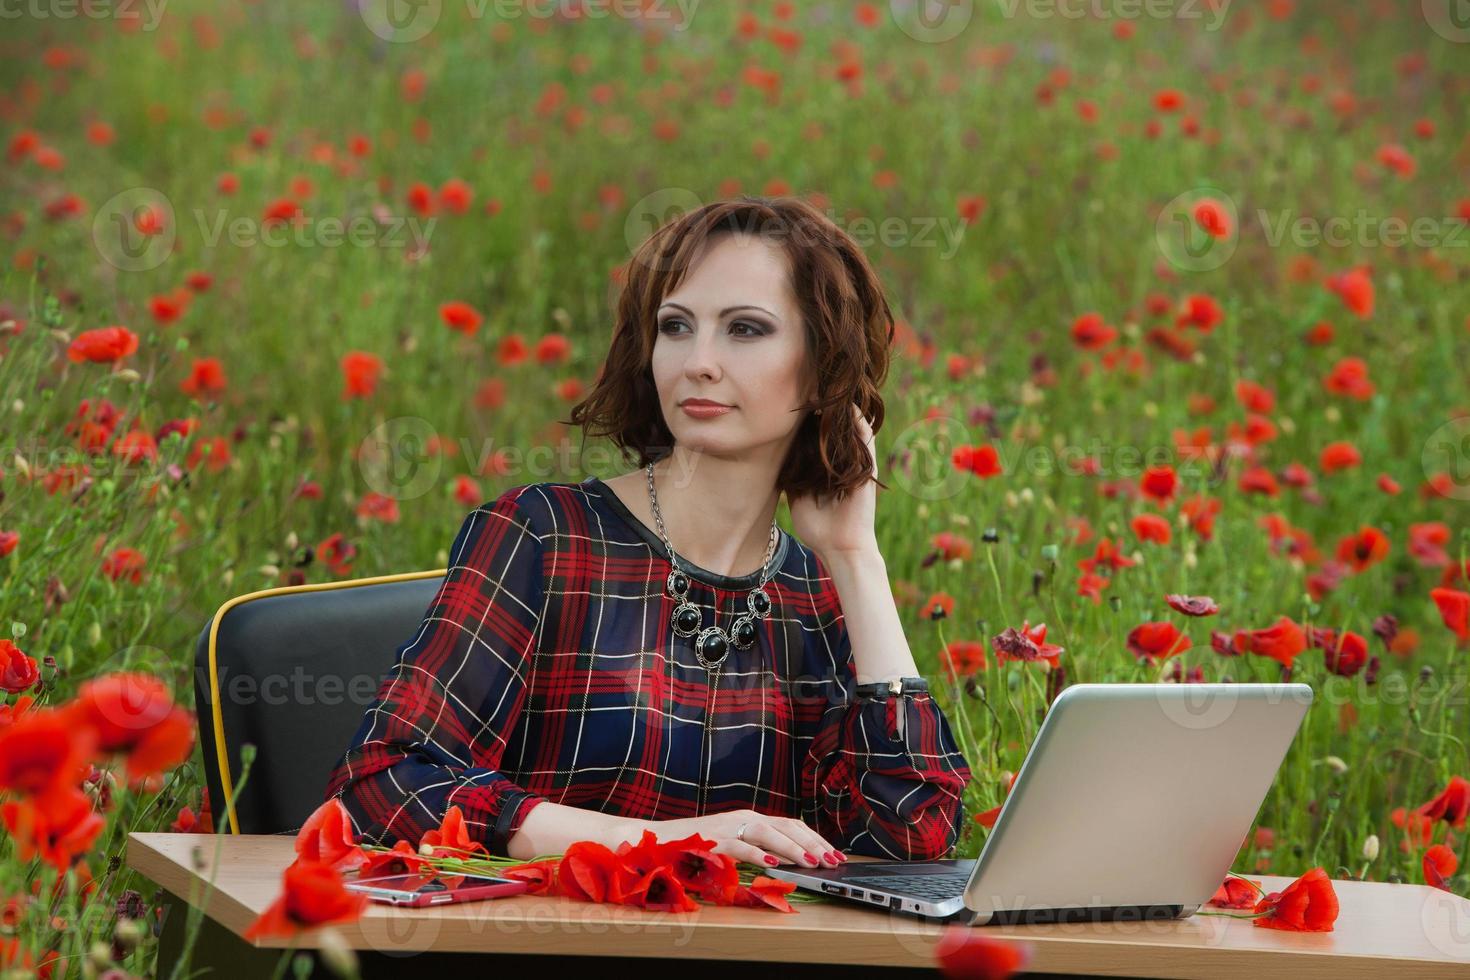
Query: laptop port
[835, 889]
[857, 893]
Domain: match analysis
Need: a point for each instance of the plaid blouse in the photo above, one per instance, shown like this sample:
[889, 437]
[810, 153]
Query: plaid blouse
[546, 668]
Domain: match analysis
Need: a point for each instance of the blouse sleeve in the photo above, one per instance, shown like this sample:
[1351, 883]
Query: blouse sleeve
[884, 776]
[434, 736]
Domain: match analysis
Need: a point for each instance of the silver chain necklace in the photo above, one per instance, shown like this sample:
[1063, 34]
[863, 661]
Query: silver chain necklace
[713, 644]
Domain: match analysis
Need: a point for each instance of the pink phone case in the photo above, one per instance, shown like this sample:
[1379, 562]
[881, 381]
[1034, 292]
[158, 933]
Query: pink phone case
[418, 899]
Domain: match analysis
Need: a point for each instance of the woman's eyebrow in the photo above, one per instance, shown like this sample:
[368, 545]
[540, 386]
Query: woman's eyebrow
[727, 310]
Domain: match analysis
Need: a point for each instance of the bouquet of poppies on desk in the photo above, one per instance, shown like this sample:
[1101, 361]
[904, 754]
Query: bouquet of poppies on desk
[672, 876]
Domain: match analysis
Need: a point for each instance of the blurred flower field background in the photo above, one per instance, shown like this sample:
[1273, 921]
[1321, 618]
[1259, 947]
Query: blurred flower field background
[1182, 372]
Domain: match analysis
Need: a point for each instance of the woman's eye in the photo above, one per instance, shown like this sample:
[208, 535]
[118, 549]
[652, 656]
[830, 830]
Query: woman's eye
[749, 329]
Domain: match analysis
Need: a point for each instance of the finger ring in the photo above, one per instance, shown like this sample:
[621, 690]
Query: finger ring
[741, 830]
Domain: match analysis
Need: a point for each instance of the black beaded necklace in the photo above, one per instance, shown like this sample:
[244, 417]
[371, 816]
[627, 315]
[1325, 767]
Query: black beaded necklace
[712, 645]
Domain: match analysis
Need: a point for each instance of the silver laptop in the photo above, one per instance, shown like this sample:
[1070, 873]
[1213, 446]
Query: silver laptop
[1132, 803]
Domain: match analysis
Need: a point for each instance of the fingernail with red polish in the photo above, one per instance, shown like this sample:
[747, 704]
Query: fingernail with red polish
[771, 859]
[810, 859]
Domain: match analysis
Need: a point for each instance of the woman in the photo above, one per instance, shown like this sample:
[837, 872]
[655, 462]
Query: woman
[653, 651]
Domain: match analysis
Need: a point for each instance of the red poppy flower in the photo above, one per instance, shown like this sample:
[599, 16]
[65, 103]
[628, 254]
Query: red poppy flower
[1192, 605]
[105, 345]
[987, 818]
[539, 875]
[281, 211]
[18, 672]
[1236, 893]
[1439, 864]
[57, 826]
[590, 872]
[1418, 827]
[460, 316]
[1454, 609]
[1199, 512]
[1254, 397]
[452, 837]
[1337, 456]
[764, 892]
[660, 890]
[402, 859]
[1452, 805]
[134, 713]
[1090, 332]
[312, 895]
[1026, 644]
[326, 837]
[554, 348]
[1159, 483]
[1427, 541]
[939, 605]
[42, 751]
[983, 461]
[1308, 904]
[1349, 377]
[360, 373]
[1152, 527]
[1106, 553]
[1346, 654]
[1281, 641]
[966, 953]
[1365, 548]
[961, 658]
[1355, 289]
[1211, 216]
[1161, 640]
[455, 195]
[1200, 311]
[1092, 585]
[1258, 479]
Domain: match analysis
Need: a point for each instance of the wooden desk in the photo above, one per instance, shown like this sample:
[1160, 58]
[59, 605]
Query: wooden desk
[1402, 931]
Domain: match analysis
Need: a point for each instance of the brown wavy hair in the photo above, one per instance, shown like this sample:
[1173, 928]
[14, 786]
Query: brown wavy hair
[849, 331]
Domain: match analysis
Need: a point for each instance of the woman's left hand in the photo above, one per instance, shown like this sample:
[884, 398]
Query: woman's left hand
[830, 527]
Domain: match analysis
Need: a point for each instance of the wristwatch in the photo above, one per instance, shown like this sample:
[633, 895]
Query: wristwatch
[893, 687]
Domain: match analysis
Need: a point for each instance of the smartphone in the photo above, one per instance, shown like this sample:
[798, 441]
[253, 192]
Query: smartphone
[431, 888]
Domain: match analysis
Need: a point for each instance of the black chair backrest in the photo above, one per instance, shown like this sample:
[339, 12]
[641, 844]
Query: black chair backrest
[291, 671]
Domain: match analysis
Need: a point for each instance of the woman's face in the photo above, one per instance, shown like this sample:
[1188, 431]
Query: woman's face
[731, 333]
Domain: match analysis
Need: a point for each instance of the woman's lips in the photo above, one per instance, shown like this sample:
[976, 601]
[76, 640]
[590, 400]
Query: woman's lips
[705, 411]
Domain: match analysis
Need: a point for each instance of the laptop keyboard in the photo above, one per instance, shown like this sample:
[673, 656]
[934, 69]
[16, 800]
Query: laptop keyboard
[938, 887]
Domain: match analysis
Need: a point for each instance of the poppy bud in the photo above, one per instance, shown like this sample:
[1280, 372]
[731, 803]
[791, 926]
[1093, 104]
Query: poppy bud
[1370, 848]
[1049, 552]
[990, 535]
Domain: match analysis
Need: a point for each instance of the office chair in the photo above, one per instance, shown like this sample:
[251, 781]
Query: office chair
[291, 670]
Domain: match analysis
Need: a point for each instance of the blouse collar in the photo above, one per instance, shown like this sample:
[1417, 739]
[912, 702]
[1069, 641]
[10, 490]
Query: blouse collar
[648, 534]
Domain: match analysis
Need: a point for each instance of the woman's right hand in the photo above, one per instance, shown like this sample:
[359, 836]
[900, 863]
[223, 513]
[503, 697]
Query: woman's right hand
[767, 841]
